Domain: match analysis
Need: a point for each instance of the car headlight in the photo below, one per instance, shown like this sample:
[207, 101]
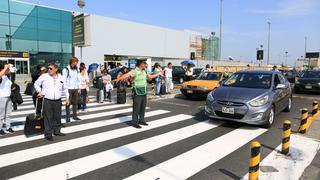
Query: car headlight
[202, 87]
[210, 97]
[297, 81]
[260, 102]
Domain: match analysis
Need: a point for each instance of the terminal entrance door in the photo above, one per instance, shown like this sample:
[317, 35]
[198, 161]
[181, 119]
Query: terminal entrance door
[22, 66]
[19, 59]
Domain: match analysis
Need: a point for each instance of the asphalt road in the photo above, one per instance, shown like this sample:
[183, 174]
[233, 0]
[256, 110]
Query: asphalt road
[175, 145]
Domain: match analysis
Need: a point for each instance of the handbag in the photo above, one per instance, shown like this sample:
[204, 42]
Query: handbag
[80, 99]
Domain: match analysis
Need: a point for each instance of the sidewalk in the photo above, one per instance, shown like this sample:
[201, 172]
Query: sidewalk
[312, 172]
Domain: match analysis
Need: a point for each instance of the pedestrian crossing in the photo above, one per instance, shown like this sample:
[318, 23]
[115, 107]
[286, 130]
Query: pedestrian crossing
[104, 140]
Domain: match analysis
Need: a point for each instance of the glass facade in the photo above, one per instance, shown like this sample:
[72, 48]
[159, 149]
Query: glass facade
[44, 32]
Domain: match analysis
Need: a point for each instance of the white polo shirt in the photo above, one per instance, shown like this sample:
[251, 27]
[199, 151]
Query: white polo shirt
[5, 87]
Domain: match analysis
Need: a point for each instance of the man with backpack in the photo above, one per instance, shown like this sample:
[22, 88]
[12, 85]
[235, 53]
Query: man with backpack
[72, 77]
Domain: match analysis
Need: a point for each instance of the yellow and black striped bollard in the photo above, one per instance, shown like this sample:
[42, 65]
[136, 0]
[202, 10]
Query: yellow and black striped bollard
[153, 89]
[254, 161]
[304, 121]
[315, 106]
[286, 137]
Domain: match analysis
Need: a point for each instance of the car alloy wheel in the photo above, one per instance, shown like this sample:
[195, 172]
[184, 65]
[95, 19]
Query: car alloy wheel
[288, 108]
[271, 116]
[181, 80]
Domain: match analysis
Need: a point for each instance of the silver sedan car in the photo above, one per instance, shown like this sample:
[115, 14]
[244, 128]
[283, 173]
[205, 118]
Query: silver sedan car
[252, 97]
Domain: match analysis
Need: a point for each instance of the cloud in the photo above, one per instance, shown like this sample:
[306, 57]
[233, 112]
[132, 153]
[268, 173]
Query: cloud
[289, 8]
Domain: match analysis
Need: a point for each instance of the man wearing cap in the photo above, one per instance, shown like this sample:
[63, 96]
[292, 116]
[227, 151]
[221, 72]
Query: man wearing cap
[139, 91]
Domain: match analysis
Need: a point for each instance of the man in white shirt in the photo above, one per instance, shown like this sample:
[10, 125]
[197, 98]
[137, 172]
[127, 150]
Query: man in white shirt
[51, 86]
[168, 77]
[72, 79]
[5, 101]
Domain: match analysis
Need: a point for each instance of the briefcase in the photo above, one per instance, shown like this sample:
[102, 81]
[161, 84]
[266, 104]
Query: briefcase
[34, 124]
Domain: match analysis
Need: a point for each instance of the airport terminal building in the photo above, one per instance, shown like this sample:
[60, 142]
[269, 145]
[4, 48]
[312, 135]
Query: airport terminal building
[32, 34]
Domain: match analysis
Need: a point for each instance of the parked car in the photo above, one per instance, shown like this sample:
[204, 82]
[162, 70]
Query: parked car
[197, 72]
[252, 97]
[201, 86]
[289, 74]
[309, 81]
[178, 74]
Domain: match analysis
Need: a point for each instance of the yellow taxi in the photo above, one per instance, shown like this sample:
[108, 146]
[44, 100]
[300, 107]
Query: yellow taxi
[204, 84]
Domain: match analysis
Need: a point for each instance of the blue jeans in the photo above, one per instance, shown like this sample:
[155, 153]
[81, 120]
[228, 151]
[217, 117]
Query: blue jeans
[83, 104]
[158, 85]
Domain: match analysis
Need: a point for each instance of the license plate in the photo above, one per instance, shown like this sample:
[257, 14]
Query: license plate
[189, 91]
[308, 87]
[228, 110]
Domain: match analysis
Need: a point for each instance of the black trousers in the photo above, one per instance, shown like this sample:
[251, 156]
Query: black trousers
[52, 117]
[73, 96]
[139, 109]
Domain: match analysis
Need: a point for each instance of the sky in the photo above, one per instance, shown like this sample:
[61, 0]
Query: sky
[245, 24]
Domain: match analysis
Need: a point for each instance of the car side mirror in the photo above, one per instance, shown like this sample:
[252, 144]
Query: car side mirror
[281, 86]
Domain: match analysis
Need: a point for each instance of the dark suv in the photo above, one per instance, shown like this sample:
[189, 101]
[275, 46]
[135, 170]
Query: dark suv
[178, 74]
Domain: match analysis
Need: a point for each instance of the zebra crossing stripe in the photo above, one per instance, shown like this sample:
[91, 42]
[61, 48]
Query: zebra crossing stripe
[50, 149]
[193, 161]
[27, 99]
[96, 161]
[77, 128]
[28, 107]
[87, 117]
[63, 108]
[108, 107]
[30, 102]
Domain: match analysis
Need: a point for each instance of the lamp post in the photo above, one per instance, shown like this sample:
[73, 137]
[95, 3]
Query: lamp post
[81, 4]
[220, 38]
[268, 55]
[286, 58]
[305, 46]
[211, 40]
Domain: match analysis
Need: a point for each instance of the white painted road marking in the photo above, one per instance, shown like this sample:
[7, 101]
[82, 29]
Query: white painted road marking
[93, 162]
[77, 128]
[195, 160]
[50, 149]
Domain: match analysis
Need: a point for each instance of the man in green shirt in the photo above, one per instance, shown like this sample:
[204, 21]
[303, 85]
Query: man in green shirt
[140, 91]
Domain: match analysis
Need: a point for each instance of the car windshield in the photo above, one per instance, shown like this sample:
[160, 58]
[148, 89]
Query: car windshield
[311, 74]
[210, 76]
[250, 80]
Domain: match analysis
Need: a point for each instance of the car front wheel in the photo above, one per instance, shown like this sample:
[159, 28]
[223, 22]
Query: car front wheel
[288, 108]
[181, 80]
[270, 118]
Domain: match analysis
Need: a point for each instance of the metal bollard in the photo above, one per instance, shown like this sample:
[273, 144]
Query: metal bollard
[254, 161]
[315, 106]
[304, 121]
[286, 137]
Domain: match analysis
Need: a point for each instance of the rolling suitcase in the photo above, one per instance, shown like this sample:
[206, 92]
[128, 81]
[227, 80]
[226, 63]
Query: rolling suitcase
[163, 89]
[100, 96]
[34, 124]
[121, 97]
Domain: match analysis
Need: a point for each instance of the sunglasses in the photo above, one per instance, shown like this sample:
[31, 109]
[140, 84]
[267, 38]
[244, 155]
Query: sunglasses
[50, 68]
